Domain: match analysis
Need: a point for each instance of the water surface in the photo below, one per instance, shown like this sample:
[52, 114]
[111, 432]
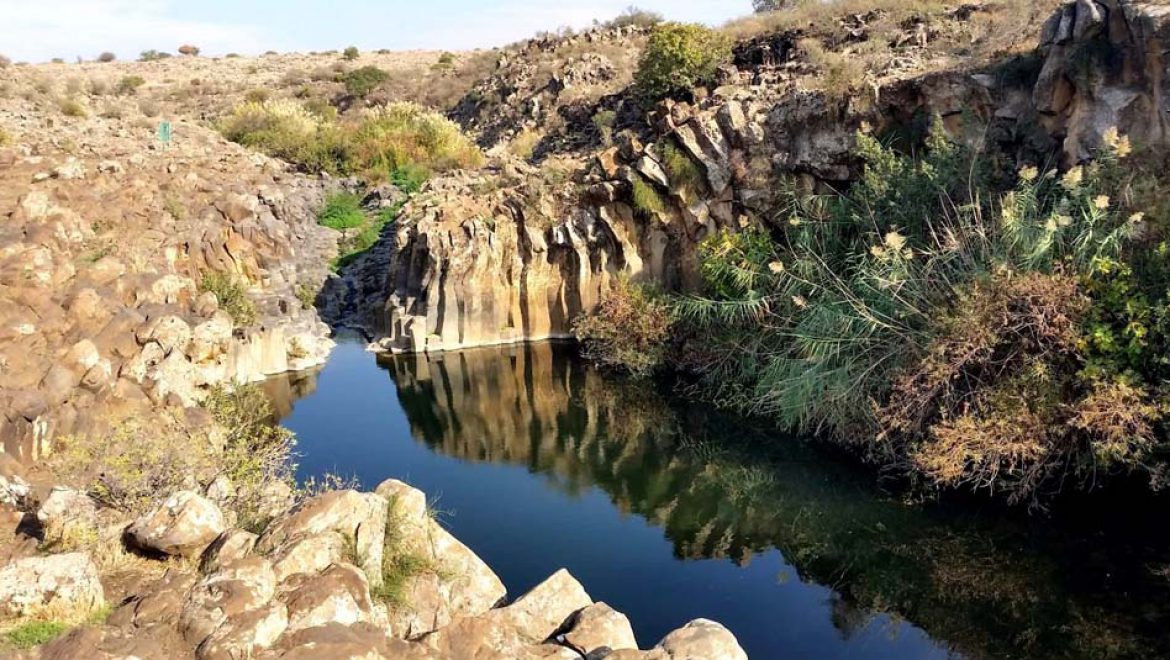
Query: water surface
[669, 511]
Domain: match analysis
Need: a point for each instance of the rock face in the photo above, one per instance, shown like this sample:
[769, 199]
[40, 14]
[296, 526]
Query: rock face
[1104, 68]
[515, 254]
[183, 525]
[102, 271]
[66, 582]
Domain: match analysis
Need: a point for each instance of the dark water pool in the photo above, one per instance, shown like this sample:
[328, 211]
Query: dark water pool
[669, 511]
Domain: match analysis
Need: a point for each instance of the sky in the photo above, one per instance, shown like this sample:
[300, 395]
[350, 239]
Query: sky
[38, 30]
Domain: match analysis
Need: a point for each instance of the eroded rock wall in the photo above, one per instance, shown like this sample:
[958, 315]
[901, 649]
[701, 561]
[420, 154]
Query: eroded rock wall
[516, 253]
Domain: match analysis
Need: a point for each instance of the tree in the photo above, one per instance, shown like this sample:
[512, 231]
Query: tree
[678, 58]
[351, 53]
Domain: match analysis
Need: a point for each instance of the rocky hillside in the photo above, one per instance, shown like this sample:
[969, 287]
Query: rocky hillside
[518, 251]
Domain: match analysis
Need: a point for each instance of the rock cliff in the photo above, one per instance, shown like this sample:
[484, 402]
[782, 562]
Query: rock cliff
[517, 252]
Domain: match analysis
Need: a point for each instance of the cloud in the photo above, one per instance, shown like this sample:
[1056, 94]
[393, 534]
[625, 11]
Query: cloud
[38, 30]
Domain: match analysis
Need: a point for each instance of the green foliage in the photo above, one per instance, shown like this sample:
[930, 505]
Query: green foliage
[683, 171]
[361, 82]
[34, 633]
[153, 56]
[129, 85]
[678, 58]
[257, 95]
[350, 54]
[232, 296]
[646, 198]
[342, 211]
[72, 108]
[883, 311]
[401, 142]
[629, 330]
[635, 17]
[604, 121]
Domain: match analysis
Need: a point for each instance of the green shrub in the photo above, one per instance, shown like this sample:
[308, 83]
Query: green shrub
[629, 330]
[153, 56]
[232, 56]
[604, 122]
[107, 57]
[285, 129]
[34, 633]
[401, 136]
[974, 339]
[646, 198]
[129, 85]
[683, 171]
[351, 53]
[5, 138]
[635, 17]
[678, 58]
[342, 211]
[232, 295]
[361, 82]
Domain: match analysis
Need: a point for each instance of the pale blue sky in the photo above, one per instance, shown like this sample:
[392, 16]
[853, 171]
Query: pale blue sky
[37, 30]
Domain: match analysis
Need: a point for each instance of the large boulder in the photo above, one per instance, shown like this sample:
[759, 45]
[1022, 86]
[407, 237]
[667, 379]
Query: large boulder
[184, 525]
[68, 515]
[599, 630]
[339, 594]
[228, 594]
[457, 583]
[698, 640]
[518, 630]
[360, 519]
[57, 582]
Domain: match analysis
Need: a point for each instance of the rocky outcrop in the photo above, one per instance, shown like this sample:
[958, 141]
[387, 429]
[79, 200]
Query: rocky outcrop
[102, 303]
[183, 525]
[241, 604]
[513, 253]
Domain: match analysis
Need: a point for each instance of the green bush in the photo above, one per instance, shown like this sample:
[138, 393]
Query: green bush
[968, 337]
[342, 211]
[351, 53]
[72, 108]
[107, 57]
[646, 198]
[678, 58]
[153, 56]
[683, 171]
[257, 95]
[629, 330]
[129, 85]
[361, 82]
[232, 296]
[404, 136]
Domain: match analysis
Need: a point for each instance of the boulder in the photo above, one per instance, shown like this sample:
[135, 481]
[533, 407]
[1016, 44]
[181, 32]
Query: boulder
[232, 545]
[599, 630]
[159, 603]
[459, 584]
[514, 630]
[242, 636]
[57, 582]
[357, 517]
[184, 525]
[68, 515]
[231, 592]
[698, 640]
[339, 594]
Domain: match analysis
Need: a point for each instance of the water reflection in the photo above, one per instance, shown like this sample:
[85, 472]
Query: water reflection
[981, 584]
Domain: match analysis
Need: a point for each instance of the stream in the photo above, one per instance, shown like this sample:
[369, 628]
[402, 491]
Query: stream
[669, 511]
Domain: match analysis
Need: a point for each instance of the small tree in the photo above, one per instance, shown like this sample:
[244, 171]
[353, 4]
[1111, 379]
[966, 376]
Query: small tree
[107, 57]
[360, 82]
[351, 53]
[152, 55]
[129, 85]
[678, 58]
[188, 49]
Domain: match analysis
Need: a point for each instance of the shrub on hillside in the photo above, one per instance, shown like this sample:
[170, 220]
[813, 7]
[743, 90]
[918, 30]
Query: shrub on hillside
[350, 54]
[629, 330]
[402, 135]
[285, 129]
[189, 50]
[361, 82]
[232, 296]
[107, 57]
[5, 138]
[635, 17]
[678, 58]
[153, 56]
[129, 85]
[72, 107]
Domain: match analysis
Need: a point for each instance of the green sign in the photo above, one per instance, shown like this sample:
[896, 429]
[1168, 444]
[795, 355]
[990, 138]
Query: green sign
[164, 132]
